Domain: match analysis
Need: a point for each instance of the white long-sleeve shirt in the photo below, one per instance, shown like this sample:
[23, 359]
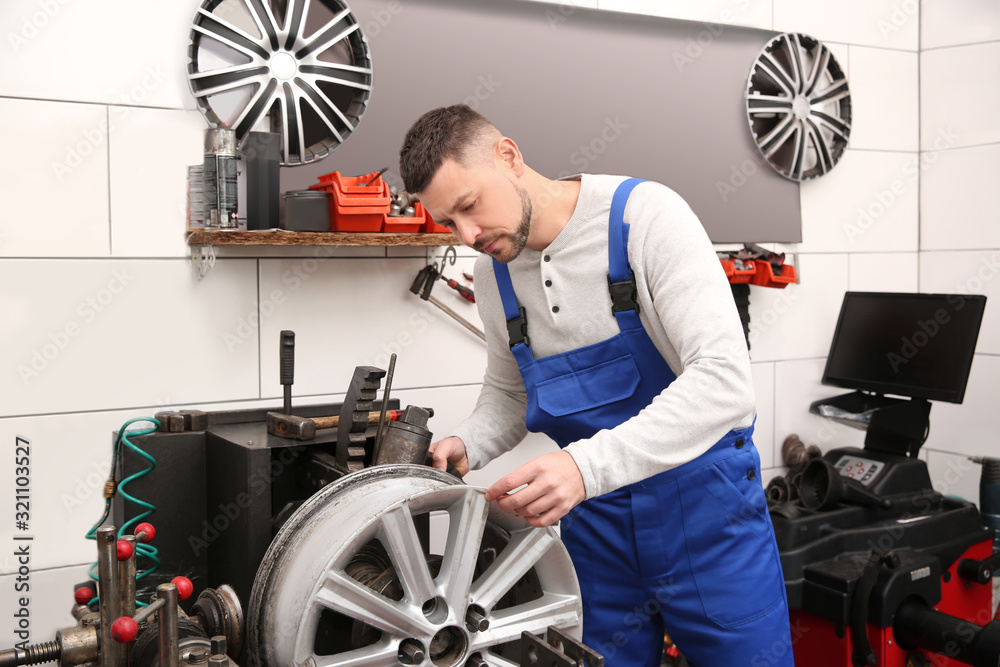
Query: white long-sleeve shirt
[686, 307]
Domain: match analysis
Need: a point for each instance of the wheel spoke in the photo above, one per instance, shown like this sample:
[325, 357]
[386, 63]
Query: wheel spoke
[836, 125]
[255, 109]
[340, 592]
[291, 126]
[525, 548]
[798, 156]
[382, 654]
[837, 90]
[407, 554]
[497, 660]
[535, 616]
[326, 109]
[822, 61]
[295, 20]
[795, 56]
[823, 158]
[336, 29]
[342, 75]
[212, 26]
[774, 139]
[221, 80]
[465, 535]
[777, 73]
[264, 18]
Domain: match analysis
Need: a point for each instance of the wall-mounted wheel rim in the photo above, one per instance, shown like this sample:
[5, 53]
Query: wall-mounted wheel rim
[798, 106]
[306, 68]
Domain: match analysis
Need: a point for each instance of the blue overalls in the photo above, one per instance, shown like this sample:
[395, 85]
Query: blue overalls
[690, 550]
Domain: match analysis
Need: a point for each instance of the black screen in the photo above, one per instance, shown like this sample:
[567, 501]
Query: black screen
[917, 345]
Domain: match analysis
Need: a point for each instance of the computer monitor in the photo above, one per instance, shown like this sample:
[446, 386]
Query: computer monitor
[915, 345]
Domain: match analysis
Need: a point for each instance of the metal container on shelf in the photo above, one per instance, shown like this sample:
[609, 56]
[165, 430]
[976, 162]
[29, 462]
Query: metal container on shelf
[307, 211]
[219, 174]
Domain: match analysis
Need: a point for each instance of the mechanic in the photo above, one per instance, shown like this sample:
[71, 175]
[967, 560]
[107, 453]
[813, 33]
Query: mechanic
[611, 328]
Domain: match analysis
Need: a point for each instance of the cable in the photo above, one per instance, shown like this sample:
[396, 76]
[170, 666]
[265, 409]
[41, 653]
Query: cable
[141, 548]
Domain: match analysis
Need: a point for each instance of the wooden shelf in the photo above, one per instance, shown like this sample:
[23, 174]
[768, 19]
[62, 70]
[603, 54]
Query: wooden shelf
[272, 237]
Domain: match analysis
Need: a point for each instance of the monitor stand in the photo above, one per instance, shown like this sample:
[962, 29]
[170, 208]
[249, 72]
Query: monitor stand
[895, 425]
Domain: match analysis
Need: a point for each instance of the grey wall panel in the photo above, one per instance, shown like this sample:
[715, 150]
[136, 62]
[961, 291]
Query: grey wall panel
[579, 90]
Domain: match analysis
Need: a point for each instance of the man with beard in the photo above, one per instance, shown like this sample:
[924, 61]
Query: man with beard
[611, 328]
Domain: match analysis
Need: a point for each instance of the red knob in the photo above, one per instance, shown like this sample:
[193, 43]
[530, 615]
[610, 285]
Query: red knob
[145, 532]
[83, 595]
[125, 550]
[124, 630]
[184, 587]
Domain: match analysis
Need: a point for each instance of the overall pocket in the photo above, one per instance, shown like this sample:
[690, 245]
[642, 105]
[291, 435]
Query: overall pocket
[730, 542]
[588, 388]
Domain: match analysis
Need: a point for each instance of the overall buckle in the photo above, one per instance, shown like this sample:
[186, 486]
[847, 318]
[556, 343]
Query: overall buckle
[517, 330]
[624, 294]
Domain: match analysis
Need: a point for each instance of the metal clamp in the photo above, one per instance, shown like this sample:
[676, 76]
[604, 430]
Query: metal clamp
[203, 259]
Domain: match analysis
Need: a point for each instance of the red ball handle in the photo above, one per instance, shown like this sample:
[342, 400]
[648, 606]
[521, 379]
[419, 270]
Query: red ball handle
[83, 595]
[145, 532]
[125, 550]
[184, 587]
[124, 630]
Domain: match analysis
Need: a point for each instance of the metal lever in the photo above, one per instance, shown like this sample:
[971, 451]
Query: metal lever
[422, 287]
[287, 358]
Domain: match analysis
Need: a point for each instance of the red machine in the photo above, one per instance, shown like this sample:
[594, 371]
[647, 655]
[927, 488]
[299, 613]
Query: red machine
[881, 569]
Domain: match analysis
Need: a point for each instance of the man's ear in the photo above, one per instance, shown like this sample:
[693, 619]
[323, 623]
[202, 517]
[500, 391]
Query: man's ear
[510, 155]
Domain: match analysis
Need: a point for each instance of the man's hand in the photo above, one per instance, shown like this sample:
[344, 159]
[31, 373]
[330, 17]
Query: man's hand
[450, 449]
[554, 487]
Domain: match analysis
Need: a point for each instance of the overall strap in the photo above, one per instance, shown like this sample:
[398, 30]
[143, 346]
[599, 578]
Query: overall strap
[621, 279]
[517, 322]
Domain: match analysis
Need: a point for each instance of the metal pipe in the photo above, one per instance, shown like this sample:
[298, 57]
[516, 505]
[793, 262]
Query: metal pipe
[458, 318]
[385, 403]
[166, 618]
[147, 611]
[107, 589]
[126, 593]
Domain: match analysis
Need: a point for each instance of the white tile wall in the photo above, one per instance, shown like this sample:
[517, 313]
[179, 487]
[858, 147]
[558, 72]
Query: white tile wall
[884, 272]
[974, 272]
[54, 180]
[884, 99]
[150, 152]
[969, 428]
[954, 22]
[958, 204]
[97, 334]
[797, 385]
[954, 475]
[367, 313]
[750, 13]
[867, 203]
[959, 96]
[49, 603]
[104, 51]
[797, 322]
[891, 24]
[763, 432]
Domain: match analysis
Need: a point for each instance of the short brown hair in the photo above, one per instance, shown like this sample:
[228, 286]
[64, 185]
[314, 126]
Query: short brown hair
[440, 134]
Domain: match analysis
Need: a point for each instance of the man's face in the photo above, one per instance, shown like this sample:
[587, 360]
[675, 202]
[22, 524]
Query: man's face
[482, 205]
